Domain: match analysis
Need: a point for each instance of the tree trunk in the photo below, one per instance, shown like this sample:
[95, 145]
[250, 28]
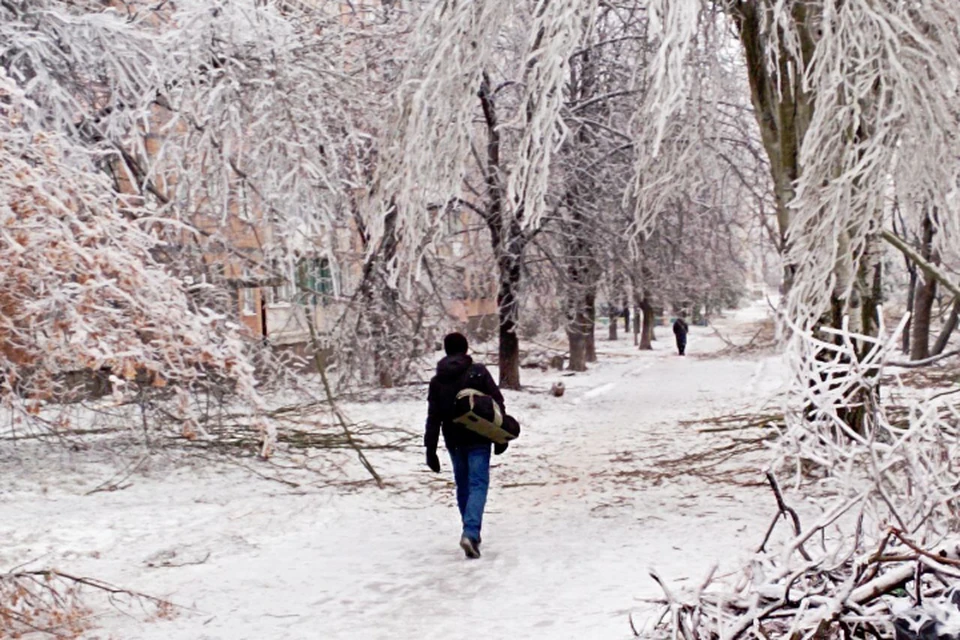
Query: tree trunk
[655, 315]
[948, 328]
[507, 241]
[578, 322]
[870, 281]
[635, 302]
[862, 308]
[379, 299]
[911, 294]
[590, 328]
[509, 351]
[626, 315]
[646, 333]
[616, 285]
[581, 291]
[922, 311]
[614, 323]
[386, 359]
[782, 107]
[578, 350]
[925, 296]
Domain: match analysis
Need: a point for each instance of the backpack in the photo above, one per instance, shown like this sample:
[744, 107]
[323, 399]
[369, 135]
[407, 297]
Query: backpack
[481, 414]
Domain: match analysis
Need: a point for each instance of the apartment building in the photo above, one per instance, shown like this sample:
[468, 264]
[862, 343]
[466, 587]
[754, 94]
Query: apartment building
[276, 299]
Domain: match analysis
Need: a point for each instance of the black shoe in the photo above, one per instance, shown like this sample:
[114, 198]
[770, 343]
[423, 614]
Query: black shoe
[470, 547]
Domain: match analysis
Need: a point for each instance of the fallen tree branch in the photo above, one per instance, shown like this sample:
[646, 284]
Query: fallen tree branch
[322, 370]
[50, 602]
[815, 599]
[914, 364]
[927, 267]
[111, 485]
[942, 557]
[786, 510]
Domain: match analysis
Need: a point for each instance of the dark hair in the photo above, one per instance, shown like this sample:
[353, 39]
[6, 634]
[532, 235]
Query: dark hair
[454, 343]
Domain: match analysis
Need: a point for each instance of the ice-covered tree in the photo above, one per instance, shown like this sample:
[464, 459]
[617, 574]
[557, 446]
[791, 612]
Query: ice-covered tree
[252, 124]
[81, 289]
[855, 103]
[504, 66]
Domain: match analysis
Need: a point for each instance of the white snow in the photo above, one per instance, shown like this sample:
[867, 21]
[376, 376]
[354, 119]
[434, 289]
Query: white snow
[580, 508]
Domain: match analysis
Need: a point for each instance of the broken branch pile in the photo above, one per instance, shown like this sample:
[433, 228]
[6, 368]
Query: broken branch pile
[882, 560]
[50, 603]
[897, 588]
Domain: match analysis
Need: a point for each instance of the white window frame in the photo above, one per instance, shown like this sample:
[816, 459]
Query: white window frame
[248, 302]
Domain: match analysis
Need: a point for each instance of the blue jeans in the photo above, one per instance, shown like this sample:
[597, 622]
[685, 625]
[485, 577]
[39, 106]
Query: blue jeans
[471, 472]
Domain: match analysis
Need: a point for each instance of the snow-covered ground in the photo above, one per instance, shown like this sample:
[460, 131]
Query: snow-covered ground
[580, 508]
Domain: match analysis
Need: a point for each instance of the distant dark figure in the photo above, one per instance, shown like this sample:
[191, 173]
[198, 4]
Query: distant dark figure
[469, 451]
[680, 330]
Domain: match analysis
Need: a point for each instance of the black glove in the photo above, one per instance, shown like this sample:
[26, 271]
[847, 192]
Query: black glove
[433, 461]
[500, 448]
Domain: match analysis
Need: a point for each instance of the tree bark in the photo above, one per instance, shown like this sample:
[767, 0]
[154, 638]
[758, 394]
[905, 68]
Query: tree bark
[508, 242]
[925, 296]
[924, 265]
[635, 302]
[379, 304]
[869, 285]
[578, 322]
[580, 238]
[948, 328]
[578, 350]
[590, 328]
[782, 108]
[922, 311]
[646, 333]
[911, 294]
[862, 308]
[509, 350]
[614, 323]
[654, 316]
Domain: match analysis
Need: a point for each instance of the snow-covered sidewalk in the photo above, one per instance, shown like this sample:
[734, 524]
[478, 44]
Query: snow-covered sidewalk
[578, 512]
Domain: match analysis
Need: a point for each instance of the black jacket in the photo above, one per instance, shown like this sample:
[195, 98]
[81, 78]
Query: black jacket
[680, 328]
[455, 373]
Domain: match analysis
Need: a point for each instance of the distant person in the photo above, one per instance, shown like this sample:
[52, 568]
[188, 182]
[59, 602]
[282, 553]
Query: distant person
[680, 330]
[469, 451]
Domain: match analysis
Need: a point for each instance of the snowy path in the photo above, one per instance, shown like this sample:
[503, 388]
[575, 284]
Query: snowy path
[577, 515]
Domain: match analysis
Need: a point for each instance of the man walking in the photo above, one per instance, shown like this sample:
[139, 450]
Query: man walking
[680, 329]
[469, 451]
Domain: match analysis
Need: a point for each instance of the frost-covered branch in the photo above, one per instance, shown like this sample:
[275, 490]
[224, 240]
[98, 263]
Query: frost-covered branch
[891, 472]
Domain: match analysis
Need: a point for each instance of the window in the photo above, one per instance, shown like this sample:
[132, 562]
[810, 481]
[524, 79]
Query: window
[249, 302]
[315, 279]
[282, 292]
[282, 289]
[248, 299]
